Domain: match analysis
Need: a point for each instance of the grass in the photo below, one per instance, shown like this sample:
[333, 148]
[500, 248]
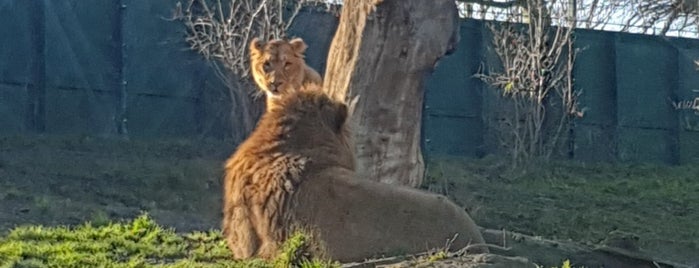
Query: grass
[138, 243]
[566, 264]
[580, 202]
[69, 180]
[51, 181]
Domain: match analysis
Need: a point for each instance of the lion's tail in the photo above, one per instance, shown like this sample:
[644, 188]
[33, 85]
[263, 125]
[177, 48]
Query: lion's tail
[240, 233]
[237, 226]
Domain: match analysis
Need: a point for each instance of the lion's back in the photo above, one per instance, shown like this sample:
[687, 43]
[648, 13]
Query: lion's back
[268, 167]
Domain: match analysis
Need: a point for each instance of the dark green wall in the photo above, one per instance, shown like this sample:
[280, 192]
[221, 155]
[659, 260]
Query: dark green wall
[628, 84]
[83, 66]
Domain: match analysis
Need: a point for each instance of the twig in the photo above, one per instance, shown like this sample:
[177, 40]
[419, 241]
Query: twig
[396, 259]
[220, 31]
[533, 68]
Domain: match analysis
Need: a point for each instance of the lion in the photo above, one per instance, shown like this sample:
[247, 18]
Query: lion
[297, 169]
[278, 66]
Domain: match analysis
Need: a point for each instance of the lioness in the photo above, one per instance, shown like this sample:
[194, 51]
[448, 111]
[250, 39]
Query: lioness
[279, 66]
[297, 169]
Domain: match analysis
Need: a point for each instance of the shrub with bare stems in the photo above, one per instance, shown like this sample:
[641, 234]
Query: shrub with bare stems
[535, 85]
[220, 30]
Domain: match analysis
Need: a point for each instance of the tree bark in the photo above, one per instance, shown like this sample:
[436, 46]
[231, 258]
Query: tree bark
[382, 52]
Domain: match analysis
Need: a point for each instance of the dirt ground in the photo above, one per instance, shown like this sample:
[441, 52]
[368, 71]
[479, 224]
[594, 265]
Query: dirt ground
[53, 180]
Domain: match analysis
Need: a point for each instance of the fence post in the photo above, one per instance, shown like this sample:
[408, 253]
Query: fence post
[119, 58]
[36, 101]
[675, 128]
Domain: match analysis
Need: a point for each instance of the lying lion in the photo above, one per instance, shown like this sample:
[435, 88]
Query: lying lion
[297, 170]
[279, 66]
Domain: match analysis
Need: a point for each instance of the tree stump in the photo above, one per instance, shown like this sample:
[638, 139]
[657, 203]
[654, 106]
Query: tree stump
[382, 52]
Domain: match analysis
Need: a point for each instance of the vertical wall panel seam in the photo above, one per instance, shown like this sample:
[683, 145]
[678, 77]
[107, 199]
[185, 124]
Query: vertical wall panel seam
[36, 101]
[121, 57]
[673, 92]
[615, 88]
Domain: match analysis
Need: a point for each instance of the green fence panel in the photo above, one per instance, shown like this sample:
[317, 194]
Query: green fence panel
[646, 79]
[16, 49]
[686, 101]
[639, 93]
[646, 72]
[17, 65]
[158, 59]
[452, 120]
[595, 76]
[646, 145]
[166, 117]
[164, 78]
[595, 80]
[594, 143]
[317, 29]
[80, 45]
[81, 75]
[13, 110]
[79, 111]
[494, 107]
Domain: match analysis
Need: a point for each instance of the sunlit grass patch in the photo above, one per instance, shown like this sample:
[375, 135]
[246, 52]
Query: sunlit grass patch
[138, 243]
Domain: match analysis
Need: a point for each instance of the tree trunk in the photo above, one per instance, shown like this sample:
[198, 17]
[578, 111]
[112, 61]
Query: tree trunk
[382, 52]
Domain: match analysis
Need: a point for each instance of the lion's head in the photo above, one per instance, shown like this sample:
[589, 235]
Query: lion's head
[278, 66]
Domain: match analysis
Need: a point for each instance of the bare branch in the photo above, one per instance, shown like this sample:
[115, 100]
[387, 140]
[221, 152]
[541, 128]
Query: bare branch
[663, 17]
[536, 70]
[491, 3]
[220, 30]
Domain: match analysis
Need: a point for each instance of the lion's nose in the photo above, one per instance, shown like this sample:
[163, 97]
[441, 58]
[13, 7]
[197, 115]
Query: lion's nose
[275, 86]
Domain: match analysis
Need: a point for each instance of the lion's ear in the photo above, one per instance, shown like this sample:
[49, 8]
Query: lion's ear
[298, 46]
[256, 46]
[337, 116]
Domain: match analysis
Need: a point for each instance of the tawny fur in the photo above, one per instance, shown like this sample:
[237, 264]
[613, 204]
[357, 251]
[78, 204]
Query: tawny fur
[297, 169]
[266, 168]
[278, 66]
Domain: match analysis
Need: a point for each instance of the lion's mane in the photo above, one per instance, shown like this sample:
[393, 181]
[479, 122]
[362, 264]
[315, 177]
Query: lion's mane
[297, 169]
